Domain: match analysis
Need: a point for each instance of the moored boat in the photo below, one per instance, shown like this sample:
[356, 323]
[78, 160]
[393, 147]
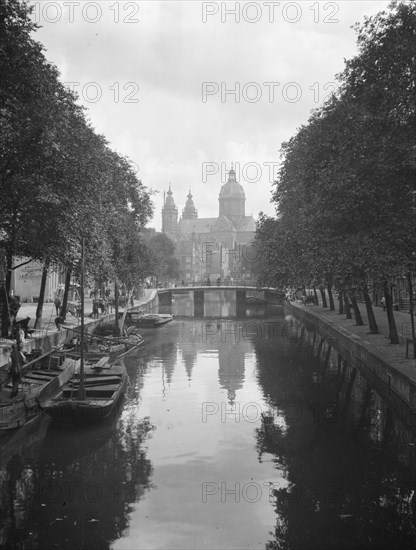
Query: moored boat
[39, 381]
[94, 390]
[147, 320]
[113, 347]
[90, 398]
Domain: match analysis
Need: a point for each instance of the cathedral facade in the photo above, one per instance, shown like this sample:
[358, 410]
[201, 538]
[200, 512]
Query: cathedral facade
[211, 248]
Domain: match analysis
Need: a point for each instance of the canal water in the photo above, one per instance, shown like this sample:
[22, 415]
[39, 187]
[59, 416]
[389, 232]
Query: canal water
[231, 435]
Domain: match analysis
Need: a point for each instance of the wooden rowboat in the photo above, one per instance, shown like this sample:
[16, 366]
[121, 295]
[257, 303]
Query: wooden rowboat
[147, 320]
[38, 383]
[113, 347]
[104, 386]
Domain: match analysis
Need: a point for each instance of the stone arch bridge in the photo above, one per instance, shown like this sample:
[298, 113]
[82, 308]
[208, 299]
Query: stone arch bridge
[244, 296]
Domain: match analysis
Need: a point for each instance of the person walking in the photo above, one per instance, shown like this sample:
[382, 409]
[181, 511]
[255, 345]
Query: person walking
[383, 303]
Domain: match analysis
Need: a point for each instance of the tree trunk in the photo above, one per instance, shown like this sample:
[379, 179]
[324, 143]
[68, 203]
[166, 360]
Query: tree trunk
[39, 309]
[9, 266]
[347, 306]
[66, 292]
[411, 308]
[116, 326]
[370, 313]
[315, 294]
[340, 303]
[324, 304]
[394, 337]
[358, 319]
[331, 298]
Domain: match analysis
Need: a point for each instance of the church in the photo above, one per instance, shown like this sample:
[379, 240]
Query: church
[211, 248]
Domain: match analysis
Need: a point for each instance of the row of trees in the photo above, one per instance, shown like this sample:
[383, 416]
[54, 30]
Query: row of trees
[60, 180]
[346, 191]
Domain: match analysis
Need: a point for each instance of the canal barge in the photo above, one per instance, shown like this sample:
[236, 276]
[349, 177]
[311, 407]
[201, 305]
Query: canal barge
[97, 347]
[40, 380]
[103, 385]
[147, 320]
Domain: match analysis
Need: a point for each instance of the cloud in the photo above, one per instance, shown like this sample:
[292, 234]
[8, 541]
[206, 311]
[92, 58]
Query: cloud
[163, 57]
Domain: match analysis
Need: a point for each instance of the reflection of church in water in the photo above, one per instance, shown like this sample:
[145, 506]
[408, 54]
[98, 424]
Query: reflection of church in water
[231, 369]
[211, 247]
[231, 360]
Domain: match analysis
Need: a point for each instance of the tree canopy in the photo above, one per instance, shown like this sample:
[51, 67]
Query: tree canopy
[345, 192]
[60, 180]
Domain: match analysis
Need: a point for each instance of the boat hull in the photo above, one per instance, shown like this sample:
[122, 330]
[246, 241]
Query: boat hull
[17, 412]
[70, 411]
[148, 320]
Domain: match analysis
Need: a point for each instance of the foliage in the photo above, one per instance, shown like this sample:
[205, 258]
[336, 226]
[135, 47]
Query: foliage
[163, 263]
[60, 181]
[345, 193]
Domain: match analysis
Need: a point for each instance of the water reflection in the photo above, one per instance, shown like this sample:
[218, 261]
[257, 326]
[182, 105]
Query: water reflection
[74, 488]
[230, 436]
[231, 363]
[349, 463]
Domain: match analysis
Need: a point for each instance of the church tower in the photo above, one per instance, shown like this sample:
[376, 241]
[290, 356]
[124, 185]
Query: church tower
[232, 199]
[189, 212]
[169, 214]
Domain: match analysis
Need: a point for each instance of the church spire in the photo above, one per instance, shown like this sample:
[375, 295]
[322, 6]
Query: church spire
[169, 214]
[189, 212]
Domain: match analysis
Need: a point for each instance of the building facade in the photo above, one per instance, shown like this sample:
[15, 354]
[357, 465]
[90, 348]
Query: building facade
[211, 248]
[26, 281]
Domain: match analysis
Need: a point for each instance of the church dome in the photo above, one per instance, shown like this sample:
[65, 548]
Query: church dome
[232, 188]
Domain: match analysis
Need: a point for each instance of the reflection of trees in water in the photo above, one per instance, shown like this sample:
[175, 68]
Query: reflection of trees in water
[77, 488]
[350, 472]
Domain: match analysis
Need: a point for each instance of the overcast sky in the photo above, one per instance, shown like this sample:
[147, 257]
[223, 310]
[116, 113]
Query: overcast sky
[155, 76]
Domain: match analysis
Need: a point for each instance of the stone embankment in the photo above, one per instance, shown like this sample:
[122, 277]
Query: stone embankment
[48, 337]
[384, 364]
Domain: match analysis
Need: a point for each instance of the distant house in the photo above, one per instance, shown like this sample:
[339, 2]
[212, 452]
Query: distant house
[26, 280]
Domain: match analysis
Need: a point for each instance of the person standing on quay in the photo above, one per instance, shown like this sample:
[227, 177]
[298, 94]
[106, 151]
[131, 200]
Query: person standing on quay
[16, 357]
[58, 304]
[95, 312]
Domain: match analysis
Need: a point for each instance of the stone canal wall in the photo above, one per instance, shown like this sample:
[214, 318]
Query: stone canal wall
[334, 343]
[54, 339]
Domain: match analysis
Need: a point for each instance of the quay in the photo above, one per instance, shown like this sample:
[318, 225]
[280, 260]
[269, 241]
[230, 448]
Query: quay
[340, 340]
[48, 336]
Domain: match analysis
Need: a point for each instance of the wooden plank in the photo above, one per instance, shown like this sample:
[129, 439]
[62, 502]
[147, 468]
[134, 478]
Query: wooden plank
[31, 376]
[108, 388]
[99, 380]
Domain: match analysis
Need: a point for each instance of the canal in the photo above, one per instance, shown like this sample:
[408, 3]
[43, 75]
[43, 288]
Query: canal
[231, 435]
